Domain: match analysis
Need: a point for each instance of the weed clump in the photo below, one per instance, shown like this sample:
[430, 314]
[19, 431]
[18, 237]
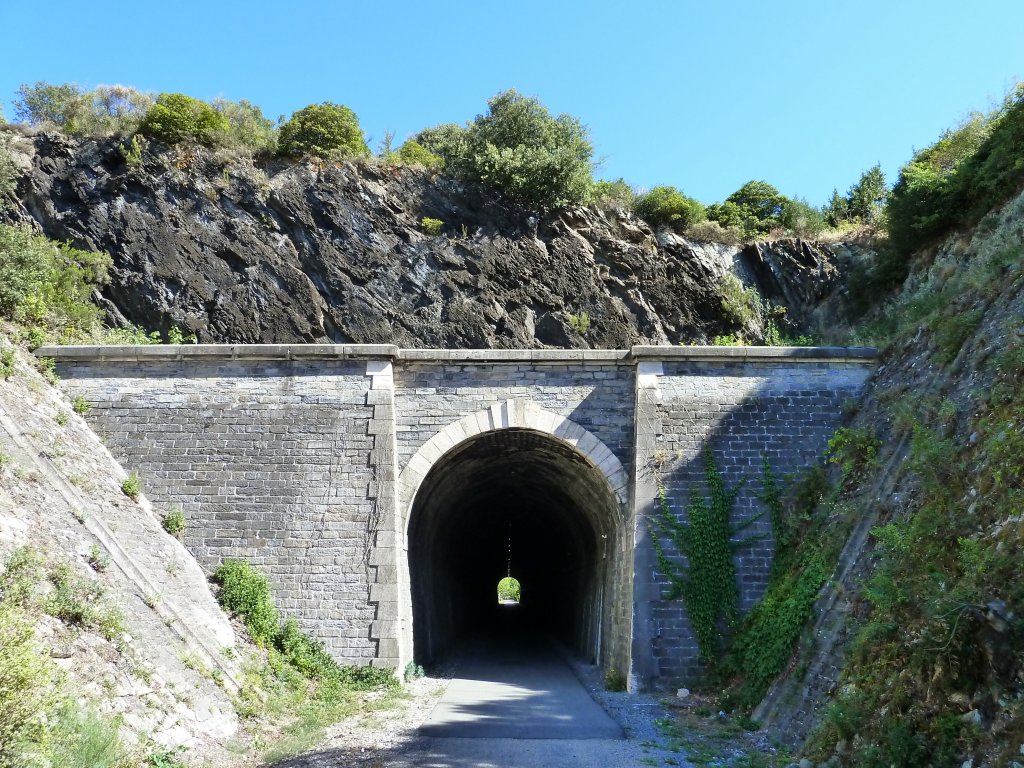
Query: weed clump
[174, 522]
[132, 486]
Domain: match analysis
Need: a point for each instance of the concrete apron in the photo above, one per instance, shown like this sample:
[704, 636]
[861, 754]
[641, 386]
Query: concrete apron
[516, 687]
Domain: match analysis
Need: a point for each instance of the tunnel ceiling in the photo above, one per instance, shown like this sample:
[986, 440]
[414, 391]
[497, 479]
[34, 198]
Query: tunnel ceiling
[532, 467]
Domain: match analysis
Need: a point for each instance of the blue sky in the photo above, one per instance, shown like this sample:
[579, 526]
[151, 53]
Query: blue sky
[704, 96]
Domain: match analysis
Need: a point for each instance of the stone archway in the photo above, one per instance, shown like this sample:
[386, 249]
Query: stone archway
[565, 494]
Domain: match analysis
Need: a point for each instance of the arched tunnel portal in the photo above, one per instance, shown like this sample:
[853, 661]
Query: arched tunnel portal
[523, 502]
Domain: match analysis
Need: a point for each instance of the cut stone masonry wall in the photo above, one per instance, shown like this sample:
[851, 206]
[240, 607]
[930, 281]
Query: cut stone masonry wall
[303, 459]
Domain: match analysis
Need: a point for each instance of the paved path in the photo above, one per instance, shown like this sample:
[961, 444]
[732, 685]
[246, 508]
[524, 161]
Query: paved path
[517, 688]
[513, 702]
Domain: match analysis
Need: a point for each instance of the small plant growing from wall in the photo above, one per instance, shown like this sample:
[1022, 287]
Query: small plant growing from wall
[99, 561]
[132, 486]
[431, 226]
[6, 364]
[580, 323]
[174, 522]
[614, 680]
[80, 405]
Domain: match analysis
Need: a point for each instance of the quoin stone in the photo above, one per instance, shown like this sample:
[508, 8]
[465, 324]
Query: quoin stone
[385, 491]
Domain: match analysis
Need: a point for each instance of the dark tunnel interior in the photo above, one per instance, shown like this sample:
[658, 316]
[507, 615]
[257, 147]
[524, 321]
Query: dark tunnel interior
[517, 490]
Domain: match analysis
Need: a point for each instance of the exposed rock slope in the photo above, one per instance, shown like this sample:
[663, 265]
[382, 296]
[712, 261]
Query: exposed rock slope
[234, 253]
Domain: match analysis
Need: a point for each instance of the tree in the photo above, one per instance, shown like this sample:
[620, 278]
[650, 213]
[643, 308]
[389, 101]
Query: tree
[667, 206]
[535, 159]
[63, 106]
[176, 117]
[519, 148]
[802, 219]
[328, 131]
[756, 209]
[866, 198]
[116, 109]
[450, 142]
[246, 125]
[414, 153]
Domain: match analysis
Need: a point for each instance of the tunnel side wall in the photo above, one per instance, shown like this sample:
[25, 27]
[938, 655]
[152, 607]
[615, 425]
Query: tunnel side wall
[744, 412]
[270, 461]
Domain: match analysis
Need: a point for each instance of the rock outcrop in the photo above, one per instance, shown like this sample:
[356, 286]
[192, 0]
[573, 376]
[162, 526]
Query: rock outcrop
[301, 253]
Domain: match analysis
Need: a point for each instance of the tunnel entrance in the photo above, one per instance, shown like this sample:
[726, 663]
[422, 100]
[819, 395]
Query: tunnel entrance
[531, 493]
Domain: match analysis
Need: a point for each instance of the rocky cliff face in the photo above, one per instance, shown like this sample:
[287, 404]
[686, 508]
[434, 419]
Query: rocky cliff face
[299, 253]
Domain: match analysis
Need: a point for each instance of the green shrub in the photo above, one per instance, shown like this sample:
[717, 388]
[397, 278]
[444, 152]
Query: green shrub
[81, 406]
[450, 142]
[8, 174]
[130, 334]
[98, 560]
[26, 679]
[412, 671]
[414, 153]
[755, 209]
[176, 117]
[82, 738]
[713, 232]
[668, 207]
[863, 203]
[7, 360]
[304, 653]
[580, 322]
[75, 600]
[534, 158]
[246, 126]
[116, 109]
[132, 152]
[614, 680]
[131, 486]
[63, 106]
[520, 149]
[968, 171]
[327, 131]
[106, 109]
[174, 522]
[740, 305]
[854, 450]
[613, 194]
[245, 593]
[364, 678]
[49, 285]
[431, 226]
[802, 219]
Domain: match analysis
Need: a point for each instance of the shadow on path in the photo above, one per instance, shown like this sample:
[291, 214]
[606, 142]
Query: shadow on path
[516, 686]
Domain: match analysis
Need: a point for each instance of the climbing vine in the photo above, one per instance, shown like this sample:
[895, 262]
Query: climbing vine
[706, 538]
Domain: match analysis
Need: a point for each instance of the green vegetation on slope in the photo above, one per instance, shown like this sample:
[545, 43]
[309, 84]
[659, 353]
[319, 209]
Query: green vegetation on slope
[40, 721]
[298, 689]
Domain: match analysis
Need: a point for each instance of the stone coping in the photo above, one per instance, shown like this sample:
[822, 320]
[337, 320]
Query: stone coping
[313, 352]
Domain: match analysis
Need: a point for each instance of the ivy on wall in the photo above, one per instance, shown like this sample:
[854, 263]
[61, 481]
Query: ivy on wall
[707, 538]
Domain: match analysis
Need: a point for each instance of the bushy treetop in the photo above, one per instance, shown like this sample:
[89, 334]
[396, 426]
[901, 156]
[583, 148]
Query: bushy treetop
[519, 148]
[668, 207]
[328, 131]
[104, 110]
[176, 117]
